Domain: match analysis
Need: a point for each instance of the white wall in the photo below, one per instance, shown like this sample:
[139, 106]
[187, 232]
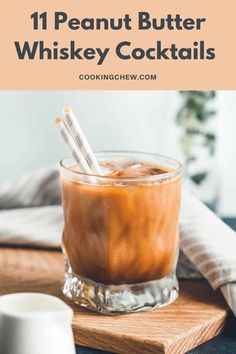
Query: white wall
[136, 120]
[226, 105]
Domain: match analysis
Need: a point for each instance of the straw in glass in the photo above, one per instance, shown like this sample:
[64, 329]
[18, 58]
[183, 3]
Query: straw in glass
[81, 141]
[76, 153]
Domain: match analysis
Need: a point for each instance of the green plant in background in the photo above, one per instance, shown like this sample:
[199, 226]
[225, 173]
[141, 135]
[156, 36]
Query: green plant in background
[194, 116]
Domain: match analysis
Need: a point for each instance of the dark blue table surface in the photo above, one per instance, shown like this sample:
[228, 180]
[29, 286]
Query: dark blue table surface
[225, 343]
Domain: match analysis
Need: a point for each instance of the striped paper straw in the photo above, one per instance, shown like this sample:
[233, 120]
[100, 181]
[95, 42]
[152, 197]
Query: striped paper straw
[79, 158]
[81, 141]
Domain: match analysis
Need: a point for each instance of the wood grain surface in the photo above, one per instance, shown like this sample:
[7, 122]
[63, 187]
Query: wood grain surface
[197, 315]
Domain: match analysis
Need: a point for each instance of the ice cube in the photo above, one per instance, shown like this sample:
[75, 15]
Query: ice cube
[134, 165]
[155, 171]
[108, 169]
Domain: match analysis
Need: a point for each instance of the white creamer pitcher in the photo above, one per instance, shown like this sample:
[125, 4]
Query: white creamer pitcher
[34, 323]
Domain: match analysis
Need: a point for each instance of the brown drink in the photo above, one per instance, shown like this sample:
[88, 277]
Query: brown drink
[122, 228]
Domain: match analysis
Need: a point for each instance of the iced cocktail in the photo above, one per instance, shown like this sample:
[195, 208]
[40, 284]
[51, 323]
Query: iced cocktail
[121, 236]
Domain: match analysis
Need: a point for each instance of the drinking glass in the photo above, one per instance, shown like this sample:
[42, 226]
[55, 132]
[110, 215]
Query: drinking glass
[121, 235]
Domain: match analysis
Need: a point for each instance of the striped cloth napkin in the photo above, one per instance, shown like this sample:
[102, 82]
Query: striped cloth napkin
[210, 245]
[30, 214]
[30, 211]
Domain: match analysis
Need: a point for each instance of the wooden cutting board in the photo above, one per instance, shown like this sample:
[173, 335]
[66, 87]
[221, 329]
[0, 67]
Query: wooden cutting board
[196, 316]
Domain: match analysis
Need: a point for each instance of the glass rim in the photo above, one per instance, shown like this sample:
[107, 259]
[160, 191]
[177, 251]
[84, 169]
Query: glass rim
[166, 175]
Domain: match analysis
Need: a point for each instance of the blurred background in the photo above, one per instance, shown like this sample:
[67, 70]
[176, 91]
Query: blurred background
[196, 127]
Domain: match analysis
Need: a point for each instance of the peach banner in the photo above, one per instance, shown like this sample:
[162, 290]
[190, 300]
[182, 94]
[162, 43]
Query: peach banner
[118, 59]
